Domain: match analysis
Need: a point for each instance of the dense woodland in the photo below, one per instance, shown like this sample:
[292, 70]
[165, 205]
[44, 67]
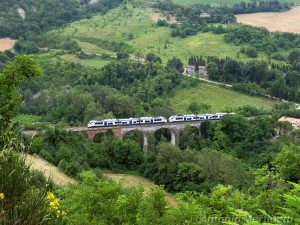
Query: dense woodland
[73, 93]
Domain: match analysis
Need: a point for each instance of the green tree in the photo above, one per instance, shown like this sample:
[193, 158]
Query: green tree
[21, 69]
[287, 163]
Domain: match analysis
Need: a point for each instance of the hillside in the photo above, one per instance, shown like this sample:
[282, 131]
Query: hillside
[219, 98]
[138, 32]
[60, 179]
[49, 170]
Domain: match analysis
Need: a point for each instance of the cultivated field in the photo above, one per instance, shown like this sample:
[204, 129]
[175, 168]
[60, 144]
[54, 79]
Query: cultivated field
[217, 97]
[283, 21]
[6, 43]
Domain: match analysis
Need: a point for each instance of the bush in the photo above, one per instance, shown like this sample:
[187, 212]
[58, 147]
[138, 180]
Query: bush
[251, 52]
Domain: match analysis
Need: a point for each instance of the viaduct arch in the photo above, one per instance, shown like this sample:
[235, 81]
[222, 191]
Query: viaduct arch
[120, 132]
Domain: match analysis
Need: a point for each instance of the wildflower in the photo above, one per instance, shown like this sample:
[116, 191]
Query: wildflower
[60, 213]
[50, 195]
[2, 196]
[54, 204]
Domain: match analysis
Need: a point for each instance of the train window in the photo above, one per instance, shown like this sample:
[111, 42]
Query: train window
[157, 119]
[109, 123]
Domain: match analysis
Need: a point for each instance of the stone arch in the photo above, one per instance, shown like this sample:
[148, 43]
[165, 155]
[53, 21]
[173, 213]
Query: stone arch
[93, 132]
[162, 133]
[189, 136]
[136, 135]
[99, 137]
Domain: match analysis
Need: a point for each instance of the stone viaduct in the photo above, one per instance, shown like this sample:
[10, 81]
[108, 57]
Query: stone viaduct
[146, 129]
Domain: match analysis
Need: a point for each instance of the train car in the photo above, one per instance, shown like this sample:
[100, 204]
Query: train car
[153, 120]
[186, 118]
[156, 120]
[126, 122]
[95, 123]
[103, 123]
[199, 117]
[129, 121]
[174, 119]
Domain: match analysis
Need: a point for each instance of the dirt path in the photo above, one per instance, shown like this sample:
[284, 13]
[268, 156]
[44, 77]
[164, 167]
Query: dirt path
[134, 180]
[288, 21]
[155, 16]
[6, 43]
[37, 163]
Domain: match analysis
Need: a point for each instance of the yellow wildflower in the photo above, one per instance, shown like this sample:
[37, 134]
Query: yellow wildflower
[54, 204]
[50, 195]
[60, 213]
[2, 196]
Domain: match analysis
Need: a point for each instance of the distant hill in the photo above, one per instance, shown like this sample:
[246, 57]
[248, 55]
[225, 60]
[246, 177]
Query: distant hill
[25, 18]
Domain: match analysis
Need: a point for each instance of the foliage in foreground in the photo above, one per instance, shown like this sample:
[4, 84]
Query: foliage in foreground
[102, 201]
[23, 193]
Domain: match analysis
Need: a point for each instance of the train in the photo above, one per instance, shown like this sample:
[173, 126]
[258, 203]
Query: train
[155, 120]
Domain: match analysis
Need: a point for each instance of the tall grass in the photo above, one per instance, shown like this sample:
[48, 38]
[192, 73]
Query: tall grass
[22, 202]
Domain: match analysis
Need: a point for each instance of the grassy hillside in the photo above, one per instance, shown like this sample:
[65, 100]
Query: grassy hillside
[97, 63]
[217, 97]
[136, 27]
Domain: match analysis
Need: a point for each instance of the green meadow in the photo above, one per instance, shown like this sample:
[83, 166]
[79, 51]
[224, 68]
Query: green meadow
[136, 27]
[218, 97]
[97, 63]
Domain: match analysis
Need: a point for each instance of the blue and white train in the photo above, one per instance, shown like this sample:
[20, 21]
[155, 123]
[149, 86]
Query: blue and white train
[155, 120]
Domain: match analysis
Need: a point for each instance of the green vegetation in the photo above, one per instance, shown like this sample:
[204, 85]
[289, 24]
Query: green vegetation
[97, 63]
[218, 2]
[242, 170]
[219, 98]
[210, 2]
[30, 122]
[138, 30]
